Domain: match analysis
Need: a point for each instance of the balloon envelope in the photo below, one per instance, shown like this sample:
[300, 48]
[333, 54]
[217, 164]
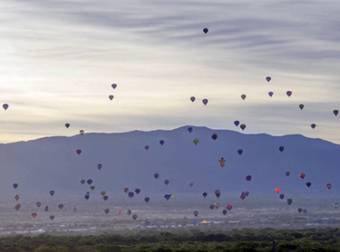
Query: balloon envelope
[243, 126]
[277, 189]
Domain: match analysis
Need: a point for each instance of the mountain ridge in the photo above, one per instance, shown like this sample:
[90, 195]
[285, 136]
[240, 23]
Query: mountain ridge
[173, 129]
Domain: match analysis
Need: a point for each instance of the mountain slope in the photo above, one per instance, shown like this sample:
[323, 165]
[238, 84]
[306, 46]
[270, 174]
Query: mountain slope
[52, 163]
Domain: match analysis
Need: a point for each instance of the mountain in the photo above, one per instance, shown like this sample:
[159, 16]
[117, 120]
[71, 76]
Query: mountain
[52, 163]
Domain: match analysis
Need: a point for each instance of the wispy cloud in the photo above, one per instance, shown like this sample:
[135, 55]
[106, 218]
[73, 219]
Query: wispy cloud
[58, 58]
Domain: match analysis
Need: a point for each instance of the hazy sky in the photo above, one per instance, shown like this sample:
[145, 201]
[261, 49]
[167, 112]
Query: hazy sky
[58, 59]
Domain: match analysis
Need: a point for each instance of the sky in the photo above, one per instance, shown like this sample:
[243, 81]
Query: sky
[59, 58]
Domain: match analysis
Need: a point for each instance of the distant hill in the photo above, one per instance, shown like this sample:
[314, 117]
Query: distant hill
[52, 163]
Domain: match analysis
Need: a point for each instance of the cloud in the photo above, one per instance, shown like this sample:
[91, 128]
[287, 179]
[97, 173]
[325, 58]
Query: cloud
[58, 59]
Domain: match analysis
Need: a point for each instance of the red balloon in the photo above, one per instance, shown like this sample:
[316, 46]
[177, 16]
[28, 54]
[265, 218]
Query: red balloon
[277, 189]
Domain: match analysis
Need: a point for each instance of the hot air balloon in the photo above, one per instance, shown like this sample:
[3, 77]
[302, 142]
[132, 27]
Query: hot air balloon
[301, 106]
[38, 204]
[156, 175]
[224, 211]
[205, 30]
[281, 148]
[146, 147]
[16, 197]
[287, 173]
[60, 206]
[52, 217]
[131, 194]
[106, 211]
[243, 126]
[282, 196]
[236, 123]
[217, 193]
[89, 181]
[204, 194]
[15, 185]
[134, 217]
[129, 212]
[309, 184]
[214, 136]
[249, 178]
[240, 151]
[205, 101]
[114, 85]
[329, 186]
[336, 112]
[190, 129]
[277, 189]
[229, 207]
[289, 201]
[46, 209]
[87, 196]
[161, 142]
[99, 166]
[192, 98]
[34, 215]
[82, 181]
[167, 196]
[244, 195]
[166, 181]
[52, 192]
[137, 191]
[5, 106]
[313, 125]
[191, 184]
[221, 162]
[78, 151]
[270, 93]
[289, 93]
[195, 213]
[196, 141]
[268, 78]
[92, 187]
[111, 97]
[105, 197]
[67, 125]
[147, 199]
[243, 96]
[81, 132]
[126, 189]
[302, 175]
